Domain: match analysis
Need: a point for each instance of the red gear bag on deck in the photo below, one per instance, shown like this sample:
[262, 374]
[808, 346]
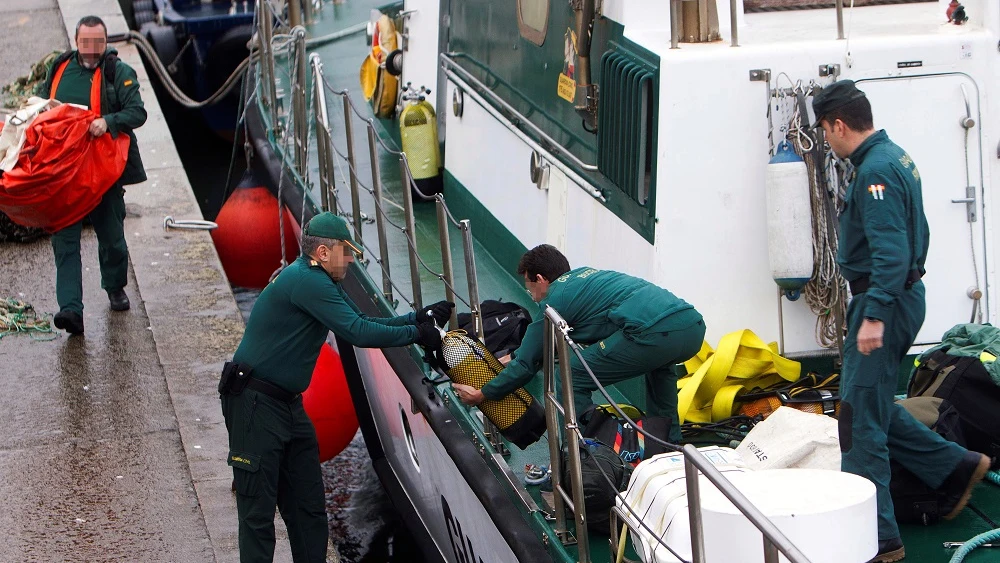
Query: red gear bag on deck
[62, 172]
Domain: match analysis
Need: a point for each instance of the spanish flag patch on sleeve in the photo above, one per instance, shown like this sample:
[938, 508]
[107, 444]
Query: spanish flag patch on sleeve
[877, 191]
[128, 83]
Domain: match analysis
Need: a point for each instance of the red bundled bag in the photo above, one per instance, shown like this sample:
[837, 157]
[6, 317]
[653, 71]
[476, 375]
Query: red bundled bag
[62, 172]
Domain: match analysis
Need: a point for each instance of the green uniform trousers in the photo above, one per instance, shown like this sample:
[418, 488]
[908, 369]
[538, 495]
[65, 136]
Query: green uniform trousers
[275, 460]
[653, 354]
[873, 428]
[108, 219]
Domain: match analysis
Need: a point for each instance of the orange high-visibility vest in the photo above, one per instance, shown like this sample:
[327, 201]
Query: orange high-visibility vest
[95, 86]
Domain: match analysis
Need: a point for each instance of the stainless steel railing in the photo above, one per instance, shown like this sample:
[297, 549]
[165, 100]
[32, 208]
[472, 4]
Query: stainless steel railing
[556, 343]
[480, 92]
[329, 157]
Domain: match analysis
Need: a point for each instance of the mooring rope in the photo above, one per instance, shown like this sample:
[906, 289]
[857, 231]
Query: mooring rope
[17, 316]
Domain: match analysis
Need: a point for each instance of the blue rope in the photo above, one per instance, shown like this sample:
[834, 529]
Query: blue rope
[975, 542]
[993, 477]
[985, 537]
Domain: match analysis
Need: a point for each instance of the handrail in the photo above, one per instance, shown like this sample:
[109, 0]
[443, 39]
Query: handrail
[499, 81]
[300, 115]
[556, 336]
[840, 19]
[452, 71]
[557, 339]
[323, 137]
[449, 64]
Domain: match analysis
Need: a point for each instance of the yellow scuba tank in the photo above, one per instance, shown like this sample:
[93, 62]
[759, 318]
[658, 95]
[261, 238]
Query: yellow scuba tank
[418, 131]
[377, 84]
[518, 416]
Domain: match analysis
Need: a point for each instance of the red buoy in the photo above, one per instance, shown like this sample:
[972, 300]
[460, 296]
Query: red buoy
[248, 239]
[328, 403]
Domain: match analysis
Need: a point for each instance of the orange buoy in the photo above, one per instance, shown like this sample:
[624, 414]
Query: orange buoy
[248, 239]
[328, 403]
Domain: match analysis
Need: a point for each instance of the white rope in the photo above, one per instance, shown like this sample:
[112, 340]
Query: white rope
[826, 289]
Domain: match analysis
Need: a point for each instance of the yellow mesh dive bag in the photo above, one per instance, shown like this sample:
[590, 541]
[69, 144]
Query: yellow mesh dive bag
[518, 416]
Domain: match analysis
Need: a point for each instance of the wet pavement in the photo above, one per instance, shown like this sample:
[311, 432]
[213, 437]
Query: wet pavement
[91, 463]
[114, 446]
[91, 457]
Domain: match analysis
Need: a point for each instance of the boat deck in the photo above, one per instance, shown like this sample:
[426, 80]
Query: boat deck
[341, 61]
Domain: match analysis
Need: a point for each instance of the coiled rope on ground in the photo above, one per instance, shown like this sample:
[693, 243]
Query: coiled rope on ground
[17, 316]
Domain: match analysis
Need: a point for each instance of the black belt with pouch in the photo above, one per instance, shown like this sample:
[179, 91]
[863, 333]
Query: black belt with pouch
[862, 284]
[236, 377]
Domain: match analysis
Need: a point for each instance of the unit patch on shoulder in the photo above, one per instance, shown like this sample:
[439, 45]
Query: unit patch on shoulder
[877, 191]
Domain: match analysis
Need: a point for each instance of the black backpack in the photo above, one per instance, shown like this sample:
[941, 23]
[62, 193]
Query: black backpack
[504, 324]
[965, 383]
[598, 463]
[914, 502]
[602, 423]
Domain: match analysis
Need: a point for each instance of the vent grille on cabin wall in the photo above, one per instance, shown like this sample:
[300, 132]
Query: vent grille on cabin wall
[626, 120]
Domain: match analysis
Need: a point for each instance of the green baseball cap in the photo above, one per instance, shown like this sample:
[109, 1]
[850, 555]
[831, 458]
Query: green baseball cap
[329, 225]
[838, 94]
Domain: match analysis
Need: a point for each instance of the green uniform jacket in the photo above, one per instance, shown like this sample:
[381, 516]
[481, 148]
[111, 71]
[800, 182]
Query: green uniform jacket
[883, 230]
[292, 317]
[121, 106]
[596, 303]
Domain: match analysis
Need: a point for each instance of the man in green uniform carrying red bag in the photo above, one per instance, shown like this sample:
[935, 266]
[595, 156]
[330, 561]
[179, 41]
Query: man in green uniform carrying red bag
[92, 76]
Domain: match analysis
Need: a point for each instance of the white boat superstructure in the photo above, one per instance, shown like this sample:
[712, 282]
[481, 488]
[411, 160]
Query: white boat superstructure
[928, 81]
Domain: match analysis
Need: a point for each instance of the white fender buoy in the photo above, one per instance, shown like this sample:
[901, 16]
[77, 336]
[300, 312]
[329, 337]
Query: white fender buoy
[789, 221]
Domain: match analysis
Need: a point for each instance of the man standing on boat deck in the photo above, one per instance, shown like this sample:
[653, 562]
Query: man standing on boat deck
[883, 245]
[636, 329]
[93, 71]
[273, 448]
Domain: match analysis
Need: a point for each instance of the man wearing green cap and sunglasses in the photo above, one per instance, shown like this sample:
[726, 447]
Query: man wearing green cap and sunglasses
[273, 448]
[883, 245]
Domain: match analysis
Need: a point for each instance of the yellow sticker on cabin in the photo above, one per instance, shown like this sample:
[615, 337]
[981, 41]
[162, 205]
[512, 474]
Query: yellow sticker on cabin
[567, 88]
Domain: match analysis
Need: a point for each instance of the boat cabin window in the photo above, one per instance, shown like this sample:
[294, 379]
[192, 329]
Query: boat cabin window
[533, 19]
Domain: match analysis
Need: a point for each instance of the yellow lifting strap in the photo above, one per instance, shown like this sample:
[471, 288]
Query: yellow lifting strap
[742, 362]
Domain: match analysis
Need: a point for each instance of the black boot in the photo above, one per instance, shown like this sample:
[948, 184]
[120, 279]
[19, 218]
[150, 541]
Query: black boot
[957, 488]
[119, 301]
[889, 551]
[70, 321]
